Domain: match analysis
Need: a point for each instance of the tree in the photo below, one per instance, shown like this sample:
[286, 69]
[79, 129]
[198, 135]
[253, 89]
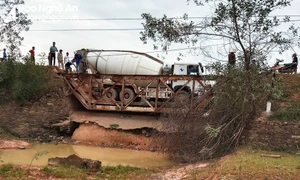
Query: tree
[246, 24]
[42, 58]
[12, 22]
[240, 92]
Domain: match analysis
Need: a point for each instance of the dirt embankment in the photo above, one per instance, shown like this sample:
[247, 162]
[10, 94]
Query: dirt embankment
[275, 135]
[34, 119]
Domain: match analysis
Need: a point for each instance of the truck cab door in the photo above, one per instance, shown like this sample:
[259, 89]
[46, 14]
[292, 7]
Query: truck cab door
[185, 69]
[179, 69]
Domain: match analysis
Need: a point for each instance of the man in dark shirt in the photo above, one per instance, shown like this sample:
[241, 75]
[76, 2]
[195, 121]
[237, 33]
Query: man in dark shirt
[77, 59]
[53, 50]
[295, 62]
[231, 58]
[4, 55]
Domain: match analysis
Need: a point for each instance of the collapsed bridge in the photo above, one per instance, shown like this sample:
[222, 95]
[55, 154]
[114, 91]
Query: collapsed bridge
[133, 81]
[120, 92]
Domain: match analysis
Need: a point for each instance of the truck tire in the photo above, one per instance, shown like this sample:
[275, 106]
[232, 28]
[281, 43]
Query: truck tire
[182, 96]
[128, 95]
[111, 94]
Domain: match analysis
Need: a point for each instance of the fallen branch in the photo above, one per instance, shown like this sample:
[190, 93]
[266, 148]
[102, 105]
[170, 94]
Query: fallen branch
[270, 155]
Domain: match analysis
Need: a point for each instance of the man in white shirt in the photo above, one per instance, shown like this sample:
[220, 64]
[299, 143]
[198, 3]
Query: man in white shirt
[68, 63]
[60, 59]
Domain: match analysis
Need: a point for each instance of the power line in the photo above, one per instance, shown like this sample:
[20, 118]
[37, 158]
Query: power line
[89, 29]
[134, 18]
[108, 19]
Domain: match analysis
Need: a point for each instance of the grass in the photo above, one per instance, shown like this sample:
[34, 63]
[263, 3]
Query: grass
[8, 171]
[65, 172]
[288, 108]
[246, 163]
[106, 172]
[7, 133]
[290, 113]
[123, 172]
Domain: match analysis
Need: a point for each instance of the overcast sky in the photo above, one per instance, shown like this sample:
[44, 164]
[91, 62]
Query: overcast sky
[93, 9]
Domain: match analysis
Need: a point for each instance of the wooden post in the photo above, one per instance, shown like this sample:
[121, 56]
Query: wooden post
[156, 96]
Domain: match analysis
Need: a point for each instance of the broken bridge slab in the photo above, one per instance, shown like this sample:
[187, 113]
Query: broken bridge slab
[117, 120]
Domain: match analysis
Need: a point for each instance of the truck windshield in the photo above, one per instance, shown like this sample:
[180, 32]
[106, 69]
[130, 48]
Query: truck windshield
[192, 70]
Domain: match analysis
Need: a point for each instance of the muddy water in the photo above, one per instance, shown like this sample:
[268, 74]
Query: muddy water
[108, 156]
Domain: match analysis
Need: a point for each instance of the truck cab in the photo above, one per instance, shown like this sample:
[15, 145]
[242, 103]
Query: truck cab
[190, 69]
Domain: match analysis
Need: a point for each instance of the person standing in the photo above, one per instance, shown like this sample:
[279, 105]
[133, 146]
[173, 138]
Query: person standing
[53, 50]
[68, 63]
[231, 58]
[60, 59]
[32, 53]
[77, 59]
[295, 63]
[4, 55]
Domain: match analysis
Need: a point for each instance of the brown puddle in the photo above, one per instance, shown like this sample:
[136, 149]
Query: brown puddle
[108, 156]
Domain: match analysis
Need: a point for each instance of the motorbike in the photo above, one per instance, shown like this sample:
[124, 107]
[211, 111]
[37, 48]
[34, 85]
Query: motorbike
[284, 68]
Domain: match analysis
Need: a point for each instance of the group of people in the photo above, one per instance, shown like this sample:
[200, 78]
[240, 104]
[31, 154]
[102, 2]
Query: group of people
[63, 62]
[4, 57]
[232, 58]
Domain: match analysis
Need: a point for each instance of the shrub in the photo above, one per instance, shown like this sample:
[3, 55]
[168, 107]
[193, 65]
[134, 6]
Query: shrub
[23, 81]
[216, 130]
[291, 113]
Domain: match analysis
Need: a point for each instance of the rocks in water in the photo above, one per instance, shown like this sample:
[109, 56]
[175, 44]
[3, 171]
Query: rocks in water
[21, 147]
[74, 160]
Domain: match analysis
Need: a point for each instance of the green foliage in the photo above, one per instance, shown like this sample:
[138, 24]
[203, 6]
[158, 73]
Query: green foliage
[7, 131]
[107, 172]
[38, 154]
[7, 171]
[114, 126]
[43, 59]
[13, 22]
[120, 172]
[7, 74]
[6, 167]
[212, 132]
[291, 113]
[23, 81]
[244, 25]
[238, 98]
[256, 83]
[65, 172]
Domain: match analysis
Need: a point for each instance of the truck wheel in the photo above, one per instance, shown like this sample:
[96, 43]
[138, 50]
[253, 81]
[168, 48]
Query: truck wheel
[182, 96]
[111, 94]
[128, 95]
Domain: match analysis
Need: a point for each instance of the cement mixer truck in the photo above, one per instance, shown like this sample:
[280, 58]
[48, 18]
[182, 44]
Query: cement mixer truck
[133, 78]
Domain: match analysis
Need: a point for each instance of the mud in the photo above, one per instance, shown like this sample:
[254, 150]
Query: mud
[125, 121]
[14, 144]
[93, 134]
